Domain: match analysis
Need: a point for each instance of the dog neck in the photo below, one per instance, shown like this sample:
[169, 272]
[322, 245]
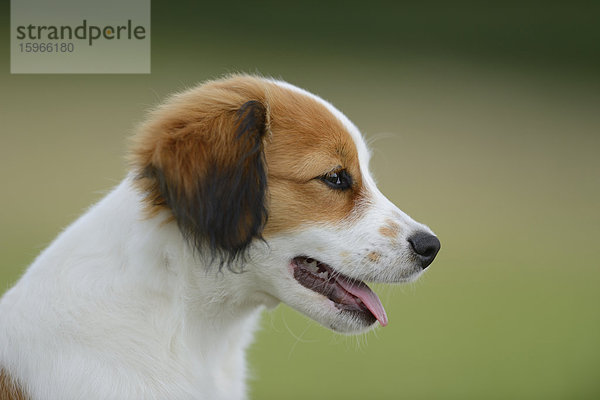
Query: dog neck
[143, 299]
[207, 310]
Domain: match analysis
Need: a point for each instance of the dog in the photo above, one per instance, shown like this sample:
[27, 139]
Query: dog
[242, 193]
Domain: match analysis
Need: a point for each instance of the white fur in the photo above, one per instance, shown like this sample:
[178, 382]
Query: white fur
[119, 307]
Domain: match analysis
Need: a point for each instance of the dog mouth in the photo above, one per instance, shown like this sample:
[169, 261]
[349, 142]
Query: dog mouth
[347, 294]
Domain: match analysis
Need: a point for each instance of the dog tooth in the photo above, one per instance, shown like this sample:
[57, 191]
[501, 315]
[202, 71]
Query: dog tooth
[311, 265]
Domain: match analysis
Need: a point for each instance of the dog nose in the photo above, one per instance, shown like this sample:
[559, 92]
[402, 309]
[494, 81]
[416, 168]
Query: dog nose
[426, 247]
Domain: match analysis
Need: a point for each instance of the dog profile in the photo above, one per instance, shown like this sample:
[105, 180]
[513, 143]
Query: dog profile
[243, 192]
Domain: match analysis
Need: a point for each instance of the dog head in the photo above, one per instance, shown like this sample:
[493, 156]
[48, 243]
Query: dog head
[258, 172]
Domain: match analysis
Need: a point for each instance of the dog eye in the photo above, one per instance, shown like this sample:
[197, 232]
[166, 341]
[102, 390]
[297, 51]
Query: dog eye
[340, 180]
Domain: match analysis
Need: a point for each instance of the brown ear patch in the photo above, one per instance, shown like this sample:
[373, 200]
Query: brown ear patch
[9, 389]
[203, 159]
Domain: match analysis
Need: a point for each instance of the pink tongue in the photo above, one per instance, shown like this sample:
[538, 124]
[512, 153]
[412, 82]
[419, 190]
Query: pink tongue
[367, 296]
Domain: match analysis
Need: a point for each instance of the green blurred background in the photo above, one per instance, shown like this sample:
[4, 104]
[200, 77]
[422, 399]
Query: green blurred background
[485, 124]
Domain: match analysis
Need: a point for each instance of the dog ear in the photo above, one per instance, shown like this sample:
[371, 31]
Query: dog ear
[210, 171]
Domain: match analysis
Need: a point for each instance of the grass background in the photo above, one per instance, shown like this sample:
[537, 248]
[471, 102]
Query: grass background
[485, 124]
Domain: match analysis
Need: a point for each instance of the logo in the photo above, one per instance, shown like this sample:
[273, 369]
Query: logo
[83, 31]
[80, 36]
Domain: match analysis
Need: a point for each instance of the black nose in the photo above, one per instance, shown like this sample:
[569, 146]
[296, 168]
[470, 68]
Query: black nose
[426, 247]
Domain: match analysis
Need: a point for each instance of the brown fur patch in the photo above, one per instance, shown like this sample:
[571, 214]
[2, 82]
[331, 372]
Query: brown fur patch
[391, 229]
[9, 389]
[201, 155]
[304, 142]
[374, 256]
[307, 142]
[190, 131]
